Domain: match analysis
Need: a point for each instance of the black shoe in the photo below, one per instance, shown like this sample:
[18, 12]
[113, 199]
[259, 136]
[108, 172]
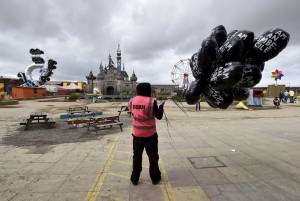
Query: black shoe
[156, 181]
[134, 182]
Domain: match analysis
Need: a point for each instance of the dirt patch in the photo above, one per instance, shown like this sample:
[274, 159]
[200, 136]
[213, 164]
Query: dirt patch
[39, 140]
[61, 99]
[10, 106]
[39, 149]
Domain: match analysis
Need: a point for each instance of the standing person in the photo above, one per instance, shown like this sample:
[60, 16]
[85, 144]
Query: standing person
[291, 95]
[198, 106]
[276, 102]
[285, 95]
[281, 96]
[144, 110]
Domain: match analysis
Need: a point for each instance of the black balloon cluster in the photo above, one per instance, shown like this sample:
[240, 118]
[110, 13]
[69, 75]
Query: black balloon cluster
[227, 64]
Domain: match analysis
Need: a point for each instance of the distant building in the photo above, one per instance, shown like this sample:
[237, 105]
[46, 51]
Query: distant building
[53, 86]
[7, 83]
[65, 83]
[113, 79]
[81, 85]
[164, 90]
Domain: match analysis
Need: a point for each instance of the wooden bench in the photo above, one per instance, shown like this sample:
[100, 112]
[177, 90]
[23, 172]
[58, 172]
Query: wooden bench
[78, 109]
[103, 122]
[78, 121]
[39, 118]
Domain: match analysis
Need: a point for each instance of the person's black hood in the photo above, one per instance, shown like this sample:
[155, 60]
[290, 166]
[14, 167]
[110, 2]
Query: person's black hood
[143, 89]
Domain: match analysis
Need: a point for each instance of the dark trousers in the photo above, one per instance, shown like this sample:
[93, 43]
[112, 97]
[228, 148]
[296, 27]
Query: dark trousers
[150, 144]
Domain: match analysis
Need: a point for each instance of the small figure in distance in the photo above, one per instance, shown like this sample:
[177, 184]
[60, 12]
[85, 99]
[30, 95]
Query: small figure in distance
[285, 96]
[198, 106]
[281, 96]
[291, 96]
[276, 102]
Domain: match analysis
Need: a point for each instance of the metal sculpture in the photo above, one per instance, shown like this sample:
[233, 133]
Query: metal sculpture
[45, 69]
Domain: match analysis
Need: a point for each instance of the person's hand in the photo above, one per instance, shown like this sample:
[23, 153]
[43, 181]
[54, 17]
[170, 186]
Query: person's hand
[161, 106]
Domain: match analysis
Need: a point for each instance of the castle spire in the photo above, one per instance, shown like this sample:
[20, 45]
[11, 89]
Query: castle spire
[110, 61]
[133, 77]
[101, 67]
[119, 58]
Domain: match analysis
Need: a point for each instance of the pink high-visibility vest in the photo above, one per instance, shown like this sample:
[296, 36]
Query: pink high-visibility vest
[143, 123]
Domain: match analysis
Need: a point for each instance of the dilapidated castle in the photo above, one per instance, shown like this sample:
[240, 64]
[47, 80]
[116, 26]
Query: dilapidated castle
[112, 79]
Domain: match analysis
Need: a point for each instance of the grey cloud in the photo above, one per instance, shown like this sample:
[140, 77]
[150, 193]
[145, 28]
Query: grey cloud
[153, 34]
[28, 18]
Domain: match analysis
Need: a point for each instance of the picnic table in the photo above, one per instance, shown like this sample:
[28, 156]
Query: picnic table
[92, 122]
[38, 118]
[104, 122]
[78, 109]
[79, 112]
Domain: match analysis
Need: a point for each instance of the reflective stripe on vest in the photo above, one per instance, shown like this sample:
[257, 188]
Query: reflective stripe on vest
[144, 127]
[144, 119]
[149, 106]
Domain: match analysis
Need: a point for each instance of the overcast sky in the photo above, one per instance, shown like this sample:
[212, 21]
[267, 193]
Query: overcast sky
[153, 35]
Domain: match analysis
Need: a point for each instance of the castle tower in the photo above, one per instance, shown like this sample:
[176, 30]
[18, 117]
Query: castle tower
[133, 77]
[110, 62]
[119, 58]
[101, 67]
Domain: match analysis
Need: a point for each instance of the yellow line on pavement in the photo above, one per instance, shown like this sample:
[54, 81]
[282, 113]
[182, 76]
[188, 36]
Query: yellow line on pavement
[125, 152]
[123, 162]
[95, 189]
[166, 187]
[126, 177]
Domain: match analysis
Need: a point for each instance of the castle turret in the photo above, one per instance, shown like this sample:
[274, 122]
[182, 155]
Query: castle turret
[101, 67]
[133, 77]
[110, 62]
[102, 71]
[119, 58]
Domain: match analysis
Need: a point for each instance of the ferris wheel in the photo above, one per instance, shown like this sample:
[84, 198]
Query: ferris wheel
[181, 74]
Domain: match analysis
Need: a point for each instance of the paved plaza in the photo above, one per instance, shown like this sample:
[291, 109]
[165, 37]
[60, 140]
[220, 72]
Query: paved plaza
[217, 155]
